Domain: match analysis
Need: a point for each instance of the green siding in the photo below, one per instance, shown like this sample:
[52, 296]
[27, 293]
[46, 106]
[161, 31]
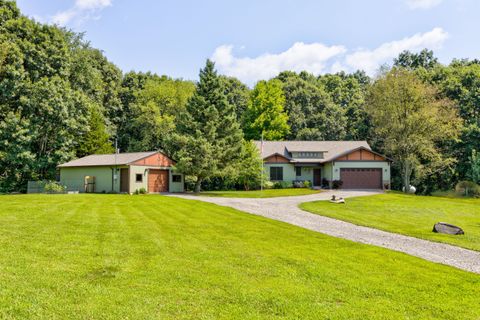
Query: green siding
[74, 178]
[289, 174]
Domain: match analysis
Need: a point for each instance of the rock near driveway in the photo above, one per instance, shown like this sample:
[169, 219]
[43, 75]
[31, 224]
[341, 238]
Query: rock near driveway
[442, 227]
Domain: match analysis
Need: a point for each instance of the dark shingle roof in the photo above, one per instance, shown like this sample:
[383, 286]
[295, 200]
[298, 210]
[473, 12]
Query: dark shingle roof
[331, 149]
[107, 159]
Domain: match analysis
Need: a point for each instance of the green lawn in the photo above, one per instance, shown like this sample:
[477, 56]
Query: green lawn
[409, 214]
[268, 193]
[147, 257]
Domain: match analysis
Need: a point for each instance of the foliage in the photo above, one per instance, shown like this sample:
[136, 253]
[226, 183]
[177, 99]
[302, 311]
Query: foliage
[265, 115]
[468, 188]
[209, 138]
[54, 187]
[282, 185]
[302, 184]
[141, 191]
[337, 184]
[408, 60]
[237, 94]
[408, 214]
[249, 172]
[474, 171]
[96, 140]
[412, 122]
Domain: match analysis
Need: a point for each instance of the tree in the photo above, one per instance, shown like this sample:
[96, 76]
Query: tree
[423, 59]
[265, 113]
[209, 138]
[249, 169]
[237, 94]
[96, 140]
[474, 171]
[412, 122]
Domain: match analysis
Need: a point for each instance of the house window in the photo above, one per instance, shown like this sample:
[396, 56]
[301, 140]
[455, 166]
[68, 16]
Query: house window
[298, 171]
[139, 177]
[176, 178]
[276, 174]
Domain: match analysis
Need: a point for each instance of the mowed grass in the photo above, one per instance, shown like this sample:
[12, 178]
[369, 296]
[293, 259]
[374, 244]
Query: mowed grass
[409, 214]
[268, 193]
[155, 257]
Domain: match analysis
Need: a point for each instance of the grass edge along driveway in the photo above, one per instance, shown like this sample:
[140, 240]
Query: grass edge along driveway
[144, 257]
[409, 215]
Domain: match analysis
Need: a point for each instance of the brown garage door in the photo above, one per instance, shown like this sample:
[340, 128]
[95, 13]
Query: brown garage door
[157, 180]
[358, 178]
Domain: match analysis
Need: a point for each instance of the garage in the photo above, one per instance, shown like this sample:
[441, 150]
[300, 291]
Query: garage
[361, 178]
[157, 181]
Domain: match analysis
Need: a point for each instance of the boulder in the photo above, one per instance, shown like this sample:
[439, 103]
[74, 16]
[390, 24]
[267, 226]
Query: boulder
[442, 227]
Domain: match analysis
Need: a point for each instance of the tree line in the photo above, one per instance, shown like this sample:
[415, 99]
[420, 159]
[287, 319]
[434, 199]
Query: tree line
[61, 99]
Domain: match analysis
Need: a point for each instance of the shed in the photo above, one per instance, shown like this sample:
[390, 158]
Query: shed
[122, 172]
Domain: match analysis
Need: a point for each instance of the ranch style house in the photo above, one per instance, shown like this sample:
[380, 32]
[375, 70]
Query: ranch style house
[354, 163]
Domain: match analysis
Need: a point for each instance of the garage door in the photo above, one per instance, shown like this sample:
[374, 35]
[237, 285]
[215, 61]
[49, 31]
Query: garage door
[358, 178]
[157, 180]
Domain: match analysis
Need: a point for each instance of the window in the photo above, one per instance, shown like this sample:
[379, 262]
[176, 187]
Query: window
[298, 171]
[139, 177]
[176, 178]
[276, 174]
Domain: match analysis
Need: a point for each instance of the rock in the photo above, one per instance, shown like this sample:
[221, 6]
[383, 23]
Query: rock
[411, 189]
[442, 227]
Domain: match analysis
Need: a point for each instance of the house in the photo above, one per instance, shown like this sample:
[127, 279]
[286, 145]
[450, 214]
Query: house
[122, 172]
[322, 162]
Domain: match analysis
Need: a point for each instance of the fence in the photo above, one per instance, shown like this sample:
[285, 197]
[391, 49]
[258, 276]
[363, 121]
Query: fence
[39, 187]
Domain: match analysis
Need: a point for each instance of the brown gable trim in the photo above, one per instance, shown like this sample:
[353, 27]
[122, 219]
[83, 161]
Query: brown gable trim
[361, 149]
[158, 153]
[276, 160]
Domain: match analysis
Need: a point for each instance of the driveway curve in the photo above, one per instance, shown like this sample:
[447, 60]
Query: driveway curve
[286, 209]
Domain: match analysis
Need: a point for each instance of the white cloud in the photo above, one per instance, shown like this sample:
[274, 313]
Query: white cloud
[423, 4]
[82, 10]
[312, 57]
[369, 60]
[318, 58]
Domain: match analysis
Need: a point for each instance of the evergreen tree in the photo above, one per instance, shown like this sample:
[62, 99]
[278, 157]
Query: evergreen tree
[97, 139]
[209, 138]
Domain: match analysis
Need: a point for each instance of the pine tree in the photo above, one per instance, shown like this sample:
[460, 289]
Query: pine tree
[96, 139]
[209, 137]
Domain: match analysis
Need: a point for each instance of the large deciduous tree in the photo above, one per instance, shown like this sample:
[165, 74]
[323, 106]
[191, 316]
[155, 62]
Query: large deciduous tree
[265, 115]
[412, 121]
[209, 138]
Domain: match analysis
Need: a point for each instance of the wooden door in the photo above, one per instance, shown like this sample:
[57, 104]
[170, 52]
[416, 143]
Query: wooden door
[157, 181]
[317, 177]
[124, 180]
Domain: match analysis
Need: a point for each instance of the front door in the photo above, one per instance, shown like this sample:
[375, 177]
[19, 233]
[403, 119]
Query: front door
[124, 180]
[317, 177]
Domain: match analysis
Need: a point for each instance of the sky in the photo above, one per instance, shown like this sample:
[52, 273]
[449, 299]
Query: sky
[256, 39]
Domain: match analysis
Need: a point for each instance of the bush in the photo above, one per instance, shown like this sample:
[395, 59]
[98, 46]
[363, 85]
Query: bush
[282, 185]
[54, 187]
[337, 184]
[301, 184]
[325, 183]
[468, 188]
[143, 191]
[268, 184]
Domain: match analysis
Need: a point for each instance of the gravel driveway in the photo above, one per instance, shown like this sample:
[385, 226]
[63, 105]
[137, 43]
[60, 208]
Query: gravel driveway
[286, 209]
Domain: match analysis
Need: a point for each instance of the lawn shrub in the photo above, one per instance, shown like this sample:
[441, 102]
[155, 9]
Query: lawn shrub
[325, 183]
[143, 191]
[54, 187]
[337, 184]
[468, 189]
[301, 184]
[282, 185]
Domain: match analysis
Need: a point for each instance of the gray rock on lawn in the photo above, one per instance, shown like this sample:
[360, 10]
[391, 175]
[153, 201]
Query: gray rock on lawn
[442, 227]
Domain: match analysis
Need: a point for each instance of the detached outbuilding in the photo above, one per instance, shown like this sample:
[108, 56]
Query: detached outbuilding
[123, 172]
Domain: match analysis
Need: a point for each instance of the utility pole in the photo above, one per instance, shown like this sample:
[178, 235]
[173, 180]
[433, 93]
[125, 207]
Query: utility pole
[261, 164]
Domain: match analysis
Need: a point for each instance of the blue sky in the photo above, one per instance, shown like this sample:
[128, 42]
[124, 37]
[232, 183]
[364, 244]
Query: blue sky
[255, 39]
